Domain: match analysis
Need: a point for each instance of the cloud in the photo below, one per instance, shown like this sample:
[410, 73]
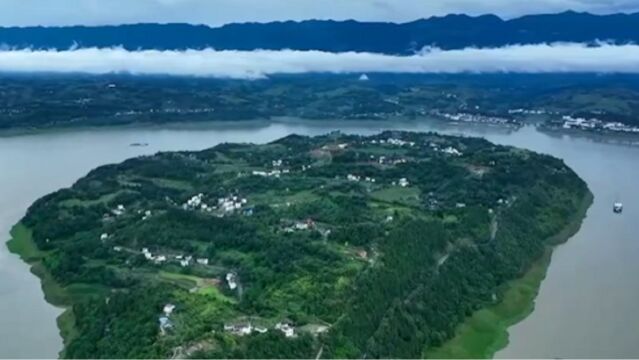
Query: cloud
[542, 58]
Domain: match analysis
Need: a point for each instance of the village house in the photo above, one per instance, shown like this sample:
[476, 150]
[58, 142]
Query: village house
[165, 324]
[231, 280]
[240, 329]
[119, 210]
[285, 327]
[451, 151]
[202, 261]
[168, 309]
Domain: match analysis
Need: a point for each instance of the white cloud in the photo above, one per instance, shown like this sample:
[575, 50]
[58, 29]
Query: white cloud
[542, 58]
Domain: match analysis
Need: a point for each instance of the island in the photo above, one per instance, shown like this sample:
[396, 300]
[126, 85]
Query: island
[335, 246]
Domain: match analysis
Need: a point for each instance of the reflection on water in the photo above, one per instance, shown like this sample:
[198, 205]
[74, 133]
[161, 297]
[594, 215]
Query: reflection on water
[585, 307]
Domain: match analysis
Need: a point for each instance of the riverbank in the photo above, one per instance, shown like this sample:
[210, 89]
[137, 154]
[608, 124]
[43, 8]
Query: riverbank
[484, 333]
[22, 244]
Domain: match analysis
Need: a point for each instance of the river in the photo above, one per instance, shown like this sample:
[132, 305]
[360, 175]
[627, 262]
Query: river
[586, 306]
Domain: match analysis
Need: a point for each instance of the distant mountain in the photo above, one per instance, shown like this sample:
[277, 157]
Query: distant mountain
[448, 32]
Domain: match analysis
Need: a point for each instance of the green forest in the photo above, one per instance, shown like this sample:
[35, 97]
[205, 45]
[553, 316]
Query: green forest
[335, 246]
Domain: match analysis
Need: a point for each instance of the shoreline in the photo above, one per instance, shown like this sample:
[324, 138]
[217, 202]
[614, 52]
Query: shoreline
[485, 332]
[22, 245]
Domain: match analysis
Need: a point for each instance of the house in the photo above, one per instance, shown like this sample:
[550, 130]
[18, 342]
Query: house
[147, 254]
[202, 261]
[286, 328]
[160, 259]
[240, 329]
[231, 279]
[260, 329]
[403, 182]
[452, 151]
[184, 262]
[117, 248]
[165, 324]
[168, 309]
[104, 236]
[119, 210]
[301, 226]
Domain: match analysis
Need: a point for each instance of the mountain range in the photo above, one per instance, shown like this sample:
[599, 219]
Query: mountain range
[448, 32]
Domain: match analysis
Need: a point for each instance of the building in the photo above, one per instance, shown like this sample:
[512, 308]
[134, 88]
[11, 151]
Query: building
[285, 327]
[168, 309]
[240, 329]
[231, 280]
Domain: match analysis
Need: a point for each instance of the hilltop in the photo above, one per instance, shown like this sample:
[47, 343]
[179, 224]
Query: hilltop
[449, 32]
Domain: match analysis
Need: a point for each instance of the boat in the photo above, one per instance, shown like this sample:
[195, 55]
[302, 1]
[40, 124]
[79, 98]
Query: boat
[138, 144]
[617, 208]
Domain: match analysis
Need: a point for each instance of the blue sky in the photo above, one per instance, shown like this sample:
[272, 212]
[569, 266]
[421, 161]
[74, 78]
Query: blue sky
[217, 12]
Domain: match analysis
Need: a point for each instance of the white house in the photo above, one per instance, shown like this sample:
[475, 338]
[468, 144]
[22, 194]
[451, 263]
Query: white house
[202, 261]
[286, 328]
[168, 309]
[231, 279]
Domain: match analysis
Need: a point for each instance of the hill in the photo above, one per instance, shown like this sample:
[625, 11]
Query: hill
[343, 245]
[448, 32]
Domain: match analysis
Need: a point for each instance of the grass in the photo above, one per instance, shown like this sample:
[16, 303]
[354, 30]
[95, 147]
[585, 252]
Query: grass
[182, 280]
[172, 184]
[68, 331]
[396, 194]
[486, 331]
[22, 244]
[87, 203]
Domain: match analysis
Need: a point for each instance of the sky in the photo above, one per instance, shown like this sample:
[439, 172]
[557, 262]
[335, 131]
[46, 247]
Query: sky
[218, 12]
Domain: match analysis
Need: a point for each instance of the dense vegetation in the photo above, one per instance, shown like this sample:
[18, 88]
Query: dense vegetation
[35, 101]
[367, 246]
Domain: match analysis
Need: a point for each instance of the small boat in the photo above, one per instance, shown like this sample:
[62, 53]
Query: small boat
[617, 208]
[136, 144]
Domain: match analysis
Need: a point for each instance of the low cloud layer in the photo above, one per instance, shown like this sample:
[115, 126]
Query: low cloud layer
[543, 58]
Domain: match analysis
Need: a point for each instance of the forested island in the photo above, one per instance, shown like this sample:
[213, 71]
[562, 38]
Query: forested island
[336, 246]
